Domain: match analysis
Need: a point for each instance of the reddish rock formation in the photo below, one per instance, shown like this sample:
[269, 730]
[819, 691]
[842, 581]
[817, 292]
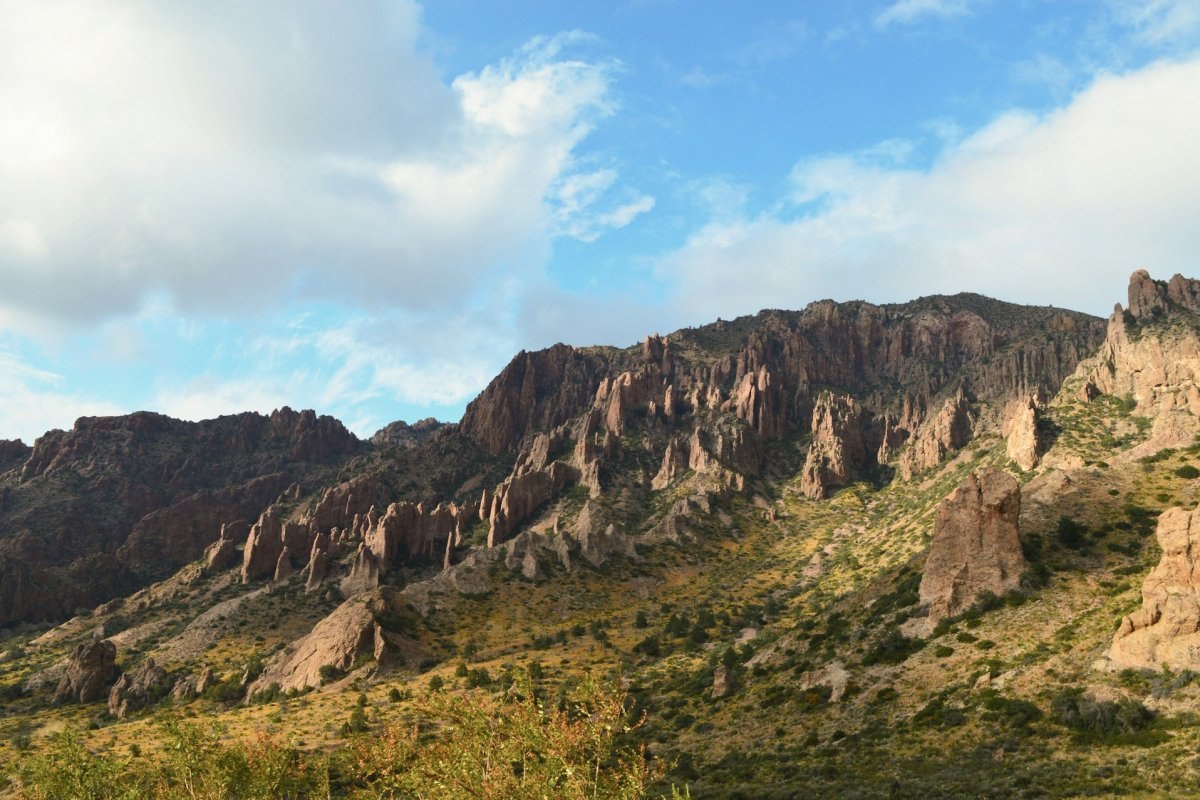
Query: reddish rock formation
[401, 434]
[536, 391]
[318, 561]
[975, 545]
[675, 461]
[409, 531]
[283, 566]
[117, 503]
[354, 632]
[1160, 369]
[144, 685]
[90, 672]
[837, 449]
[263, 546]
[221, 554]
[1165, 631]
[1024, 445]
[364, 574]
[520, 495]
[949, 430]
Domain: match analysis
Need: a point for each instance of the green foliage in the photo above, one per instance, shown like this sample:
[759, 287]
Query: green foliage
[194, 763]
[1188, 471]
[517, 748]
[1100, 718]
[329, 673]
[892, 648]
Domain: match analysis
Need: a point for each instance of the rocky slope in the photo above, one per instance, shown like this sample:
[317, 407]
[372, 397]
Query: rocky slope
[818, 546]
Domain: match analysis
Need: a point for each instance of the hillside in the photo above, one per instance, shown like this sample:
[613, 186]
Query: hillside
[765, 529]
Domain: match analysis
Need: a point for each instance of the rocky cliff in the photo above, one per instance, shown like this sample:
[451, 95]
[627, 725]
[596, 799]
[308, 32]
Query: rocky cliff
[104, 508]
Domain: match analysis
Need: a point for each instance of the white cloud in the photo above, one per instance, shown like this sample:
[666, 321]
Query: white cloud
[1056, 208]
[230, 156]
[908, 11]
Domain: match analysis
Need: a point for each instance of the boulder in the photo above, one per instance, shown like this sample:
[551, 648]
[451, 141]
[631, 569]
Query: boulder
[90, 671]
[1165, 631]
[975, 547]
[353, 634]
[144, 685]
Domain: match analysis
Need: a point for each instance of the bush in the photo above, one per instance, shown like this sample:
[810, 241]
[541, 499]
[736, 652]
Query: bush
[1188, 471]
[1100, 718]
[893, 648]
[517, 748]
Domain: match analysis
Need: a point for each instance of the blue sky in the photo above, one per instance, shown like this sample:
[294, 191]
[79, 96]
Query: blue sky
[368, 208]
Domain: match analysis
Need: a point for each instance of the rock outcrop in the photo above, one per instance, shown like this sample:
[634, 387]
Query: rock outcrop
[1165, 631]
[356, 632]
[90, 672]
[975, 547]
[364, 574]
[521, 494]
[1023, 442]
[401, 434]
[535, 392]
[837, 451]
[263, 546]
[144, 685]
[1157, 366]
[948, 430]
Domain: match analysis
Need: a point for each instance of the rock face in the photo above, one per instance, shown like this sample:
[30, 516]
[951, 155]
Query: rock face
[1165, 631]
[536, 391]
[144, 685]
[1157, 366]
[90, 672]
[356, 631]
[521, 494]
[949, 430]
[975, 545]
[1023, 445]
[837, 449]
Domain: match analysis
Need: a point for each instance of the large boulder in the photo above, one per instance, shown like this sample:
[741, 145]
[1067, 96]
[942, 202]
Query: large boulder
[91, 670]
[144, 685]
[356, 632]
[975, 547]
[1165, 631]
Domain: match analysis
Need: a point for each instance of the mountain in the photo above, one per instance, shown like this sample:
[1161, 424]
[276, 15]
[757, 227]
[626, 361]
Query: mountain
[854, 550]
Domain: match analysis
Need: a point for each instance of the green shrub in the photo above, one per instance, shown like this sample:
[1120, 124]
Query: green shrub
[1100, 718]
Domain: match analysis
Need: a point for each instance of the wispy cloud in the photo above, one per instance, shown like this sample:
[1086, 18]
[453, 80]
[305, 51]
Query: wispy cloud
[33, 400]
[904, 12]
[1160, 22]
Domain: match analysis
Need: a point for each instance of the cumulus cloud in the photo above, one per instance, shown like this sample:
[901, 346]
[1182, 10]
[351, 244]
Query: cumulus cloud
[1054, 208]
[229, 156]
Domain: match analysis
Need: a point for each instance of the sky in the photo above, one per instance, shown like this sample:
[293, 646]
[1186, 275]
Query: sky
[368, 208]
